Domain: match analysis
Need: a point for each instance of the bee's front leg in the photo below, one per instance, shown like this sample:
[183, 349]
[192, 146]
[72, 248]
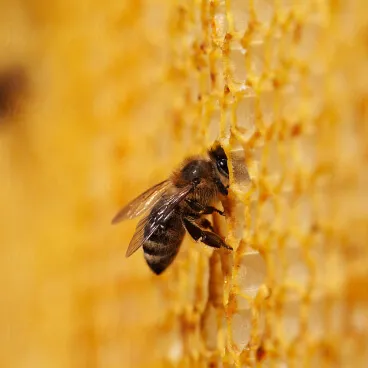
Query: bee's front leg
[203, 210]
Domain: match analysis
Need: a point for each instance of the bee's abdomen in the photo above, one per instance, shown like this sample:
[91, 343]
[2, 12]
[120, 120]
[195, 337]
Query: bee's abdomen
[162, 247]
[159, 257]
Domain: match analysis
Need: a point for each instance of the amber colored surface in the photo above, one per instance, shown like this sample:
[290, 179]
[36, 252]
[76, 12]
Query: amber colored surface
[101, 99]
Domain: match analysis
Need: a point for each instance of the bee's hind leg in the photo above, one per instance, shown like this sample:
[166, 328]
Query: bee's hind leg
[207, 237]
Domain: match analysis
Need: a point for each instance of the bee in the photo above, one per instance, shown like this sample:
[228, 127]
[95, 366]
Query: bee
[176, 206]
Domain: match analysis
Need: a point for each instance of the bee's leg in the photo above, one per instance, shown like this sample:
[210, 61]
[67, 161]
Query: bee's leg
[205, 224]
[210, 210]
[203, 210]
[207, 237]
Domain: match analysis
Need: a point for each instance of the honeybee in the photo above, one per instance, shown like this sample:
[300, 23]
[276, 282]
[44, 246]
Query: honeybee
[177, 205]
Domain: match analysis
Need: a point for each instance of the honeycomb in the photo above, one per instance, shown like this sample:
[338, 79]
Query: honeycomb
[100, 100]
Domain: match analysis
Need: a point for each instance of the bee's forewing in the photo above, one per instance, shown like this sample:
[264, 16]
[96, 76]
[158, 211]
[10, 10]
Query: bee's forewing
[149, 224]
[240, 171]
[142, 203]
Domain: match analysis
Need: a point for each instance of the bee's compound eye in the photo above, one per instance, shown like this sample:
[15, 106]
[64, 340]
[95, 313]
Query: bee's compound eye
[222, 167]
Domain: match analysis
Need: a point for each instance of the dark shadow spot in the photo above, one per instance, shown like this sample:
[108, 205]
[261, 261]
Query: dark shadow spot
[13, 86]
[261, 353]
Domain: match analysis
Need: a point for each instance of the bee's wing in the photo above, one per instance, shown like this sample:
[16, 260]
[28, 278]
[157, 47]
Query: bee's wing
[149, 224]
[240, 172]
[142, 203]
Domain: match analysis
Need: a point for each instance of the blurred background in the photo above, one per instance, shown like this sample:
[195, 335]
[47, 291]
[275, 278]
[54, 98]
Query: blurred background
[101, 99]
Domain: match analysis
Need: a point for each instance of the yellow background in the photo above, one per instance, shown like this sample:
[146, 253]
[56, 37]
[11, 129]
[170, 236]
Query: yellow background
[99, 100]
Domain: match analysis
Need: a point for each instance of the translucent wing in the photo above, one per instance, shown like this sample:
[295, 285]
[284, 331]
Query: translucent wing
[240, 172]
[149, 224]
[138, 237]
[142, 203]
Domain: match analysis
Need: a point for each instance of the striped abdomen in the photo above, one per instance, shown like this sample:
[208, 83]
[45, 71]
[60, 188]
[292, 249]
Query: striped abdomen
[163, 245]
